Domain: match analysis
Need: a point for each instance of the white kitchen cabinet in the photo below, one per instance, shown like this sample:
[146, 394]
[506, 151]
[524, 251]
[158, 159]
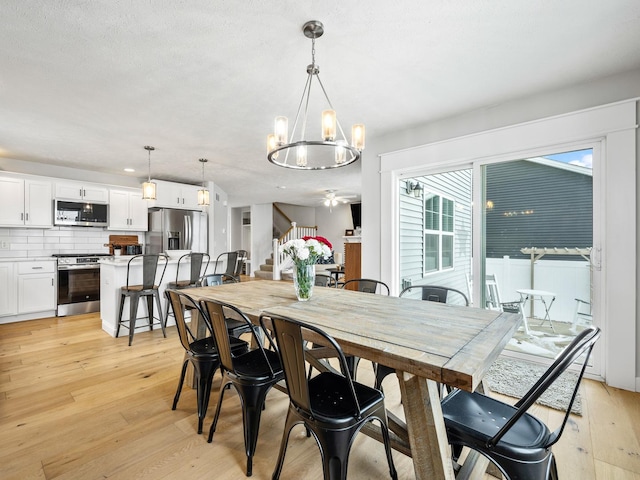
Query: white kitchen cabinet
[36, 286]
[25, 202]
[176, 195]
[127, 210]
[8, 292]
[82, 192]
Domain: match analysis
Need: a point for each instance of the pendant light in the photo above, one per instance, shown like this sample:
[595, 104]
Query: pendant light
[332, 149]
[149, 187]
[203, 195]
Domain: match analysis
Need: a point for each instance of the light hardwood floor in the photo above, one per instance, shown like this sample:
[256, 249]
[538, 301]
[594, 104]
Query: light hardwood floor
[78, 404]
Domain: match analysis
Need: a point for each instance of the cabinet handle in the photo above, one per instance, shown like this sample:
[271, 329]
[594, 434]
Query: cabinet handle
[84, 192]
[52, 282]
[80, 193]
[27, 215]
[22, 216]
[178, 200]
[36, 268]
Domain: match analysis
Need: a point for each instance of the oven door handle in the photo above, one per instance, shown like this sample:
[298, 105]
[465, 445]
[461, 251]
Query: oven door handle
[78, 267]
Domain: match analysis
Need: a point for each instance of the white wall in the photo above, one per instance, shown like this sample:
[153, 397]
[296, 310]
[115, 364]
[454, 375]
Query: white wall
[375, 197]
[332, 225]
[261, 234]
[303, 216]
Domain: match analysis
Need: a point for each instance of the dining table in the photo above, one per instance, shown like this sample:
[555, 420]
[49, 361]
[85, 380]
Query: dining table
[427, 343]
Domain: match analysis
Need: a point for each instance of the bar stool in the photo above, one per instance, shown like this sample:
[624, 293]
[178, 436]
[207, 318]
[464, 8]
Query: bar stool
[195, 271]
[148, 289]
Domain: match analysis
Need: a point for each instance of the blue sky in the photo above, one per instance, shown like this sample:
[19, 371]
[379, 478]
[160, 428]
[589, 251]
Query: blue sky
[584, 158]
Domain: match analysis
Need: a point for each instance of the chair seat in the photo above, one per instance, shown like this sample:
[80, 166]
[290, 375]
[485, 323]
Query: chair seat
[207, 346]
[331, 399]
[252, 365]
[474, 418]
[137, 288]
[182, 284]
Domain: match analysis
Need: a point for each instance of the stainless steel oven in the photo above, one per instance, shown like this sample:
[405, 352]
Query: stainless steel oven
[78, 283]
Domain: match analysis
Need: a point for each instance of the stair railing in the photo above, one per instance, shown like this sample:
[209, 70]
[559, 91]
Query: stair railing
[293, 233]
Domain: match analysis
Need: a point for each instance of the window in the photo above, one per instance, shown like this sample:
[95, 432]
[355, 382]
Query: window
[438, 233]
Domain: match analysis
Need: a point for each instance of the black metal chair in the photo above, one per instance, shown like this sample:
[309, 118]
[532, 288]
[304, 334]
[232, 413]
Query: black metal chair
[332, 406]
[323, 280]
[148, 289]
[366, 285]
[234, 263]
[252, 374]
[518, 443]
[200, 351]
[235, 326]
[196, 260]
[436, 293]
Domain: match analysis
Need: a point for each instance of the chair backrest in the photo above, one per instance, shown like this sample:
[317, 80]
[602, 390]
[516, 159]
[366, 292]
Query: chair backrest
[436, 293]
[240, 261]
[212, 279]
[492, 299]
[196, 260]
[368, 285]
[149, 269]
[216, 315]
[231, 262]
[322, 280]
[290, 338]
[578, 350]
[180, 301]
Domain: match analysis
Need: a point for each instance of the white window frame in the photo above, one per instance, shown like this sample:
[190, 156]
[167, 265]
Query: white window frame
[439, 232]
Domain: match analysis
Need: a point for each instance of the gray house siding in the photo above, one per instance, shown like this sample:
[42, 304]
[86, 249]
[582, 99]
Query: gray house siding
[456, 186]
[537, 205]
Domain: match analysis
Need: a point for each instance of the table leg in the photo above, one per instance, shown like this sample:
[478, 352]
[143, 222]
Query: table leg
[425, 425]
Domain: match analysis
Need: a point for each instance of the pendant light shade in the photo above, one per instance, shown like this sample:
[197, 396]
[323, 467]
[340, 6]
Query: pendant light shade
[203, 194]
[149, 187]
[331, 149]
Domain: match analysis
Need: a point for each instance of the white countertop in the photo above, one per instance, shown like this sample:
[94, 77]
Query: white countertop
[26, 259]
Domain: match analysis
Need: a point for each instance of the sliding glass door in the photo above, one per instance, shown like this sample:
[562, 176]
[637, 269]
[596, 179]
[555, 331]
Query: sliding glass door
[537, 244]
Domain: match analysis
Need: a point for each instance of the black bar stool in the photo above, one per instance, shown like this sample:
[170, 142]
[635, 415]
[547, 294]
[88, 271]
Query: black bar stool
[148, 289]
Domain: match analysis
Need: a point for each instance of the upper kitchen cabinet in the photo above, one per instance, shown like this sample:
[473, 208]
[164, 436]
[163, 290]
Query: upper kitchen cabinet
[25, 203]
[127, 210]
[83, 192]
[176, 195]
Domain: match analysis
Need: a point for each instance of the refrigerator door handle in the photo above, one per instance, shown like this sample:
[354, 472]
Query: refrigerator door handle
[188, 232]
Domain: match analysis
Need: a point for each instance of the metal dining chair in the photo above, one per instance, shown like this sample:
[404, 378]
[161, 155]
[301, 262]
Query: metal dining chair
[200, 351]
[332, 406]
[518, 443]
[252, 374]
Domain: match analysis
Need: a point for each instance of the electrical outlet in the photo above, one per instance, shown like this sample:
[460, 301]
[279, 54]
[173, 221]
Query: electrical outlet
[4, 244]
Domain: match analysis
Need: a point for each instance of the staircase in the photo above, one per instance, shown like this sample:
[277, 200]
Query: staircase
[266, 271]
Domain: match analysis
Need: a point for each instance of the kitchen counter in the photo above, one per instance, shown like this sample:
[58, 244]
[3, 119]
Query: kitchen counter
[26, 259]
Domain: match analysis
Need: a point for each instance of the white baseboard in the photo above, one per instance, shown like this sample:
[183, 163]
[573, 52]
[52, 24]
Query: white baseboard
[637, 384]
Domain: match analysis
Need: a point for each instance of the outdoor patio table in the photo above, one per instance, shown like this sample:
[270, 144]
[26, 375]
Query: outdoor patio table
[426, 342]
[531, 295]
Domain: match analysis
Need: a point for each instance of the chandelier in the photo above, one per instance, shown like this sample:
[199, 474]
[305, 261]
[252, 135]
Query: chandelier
[203, 195]
[332, 149]
[149, 187]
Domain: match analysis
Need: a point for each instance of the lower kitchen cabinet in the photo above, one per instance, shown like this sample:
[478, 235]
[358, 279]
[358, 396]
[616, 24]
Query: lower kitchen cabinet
[28, 287]
[8, 292]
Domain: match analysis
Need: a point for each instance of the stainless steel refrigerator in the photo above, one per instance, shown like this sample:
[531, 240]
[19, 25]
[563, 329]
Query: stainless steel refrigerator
[173, 229]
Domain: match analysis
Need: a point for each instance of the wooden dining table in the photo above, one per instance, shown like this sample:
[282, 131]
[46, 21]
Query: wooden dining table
[427, 343]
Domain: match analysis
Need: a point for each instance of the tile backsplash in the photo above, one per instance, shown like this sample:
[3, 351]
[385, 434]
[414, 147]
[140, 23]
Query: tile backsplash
[40, 242]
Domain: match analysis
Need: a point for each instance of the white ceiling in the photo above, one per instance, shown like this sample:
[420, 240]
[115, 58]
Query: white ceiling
[88, 84]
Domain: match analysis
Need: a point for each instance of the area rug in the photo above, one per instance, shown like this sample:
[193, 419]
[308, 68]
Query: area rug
[514, 378]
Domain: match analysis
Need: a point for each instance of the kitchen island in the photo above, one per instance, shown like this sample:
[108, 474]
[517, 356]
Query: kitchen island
[113, 275]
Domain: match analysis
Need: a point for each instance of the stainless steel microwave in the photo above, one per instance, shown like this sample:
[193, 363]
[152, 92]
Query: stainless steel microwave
[80, 214]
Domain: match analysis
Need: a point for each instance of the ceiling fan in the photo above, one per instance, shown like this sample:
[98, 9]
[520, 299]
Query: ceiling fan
[331, 199]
